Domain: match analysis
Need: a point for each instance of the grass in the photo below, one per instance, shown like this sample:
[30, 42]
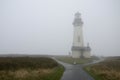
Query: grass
[26, 68]
[56, 74]
[106, 70]
[71, 60]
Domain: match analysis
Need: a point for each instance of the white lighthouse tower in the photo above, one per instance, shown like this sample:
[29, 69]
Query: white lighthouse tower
[78, 48]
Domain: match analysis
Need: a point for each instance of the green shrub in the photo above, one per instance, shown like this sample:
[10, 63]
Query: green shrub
[27, 68]
[26, 62]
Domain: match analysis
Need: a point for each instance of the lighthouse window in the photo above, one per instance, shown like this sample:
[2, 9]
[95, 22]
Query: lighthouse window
[78, 38]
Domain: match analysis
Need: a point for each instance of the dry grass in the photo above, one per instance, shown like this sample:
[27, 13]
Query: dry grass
[106, 70]
[25, 68]
[24, 73]
[19, 73]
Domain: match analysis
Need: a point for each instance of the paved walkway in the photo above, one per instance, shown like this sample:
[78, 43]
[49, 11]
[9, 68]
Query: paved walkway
[74, 72]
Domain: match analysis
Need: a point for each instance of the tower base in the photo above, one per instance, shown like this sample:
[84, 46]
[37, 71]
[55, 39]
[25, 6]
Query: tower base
[81, 52]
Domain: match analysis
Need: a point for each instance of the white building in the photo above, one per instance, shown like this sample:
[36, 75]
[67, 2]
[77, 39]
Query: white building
[78, 48]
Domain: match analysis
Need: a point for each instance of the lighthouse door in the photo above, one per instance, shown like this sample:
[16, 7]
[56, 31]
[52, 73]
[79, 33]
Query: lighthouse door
[82, 56]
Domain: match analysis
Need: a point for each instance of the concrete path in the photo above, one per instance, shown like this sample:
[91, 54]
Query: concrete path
[74, 72]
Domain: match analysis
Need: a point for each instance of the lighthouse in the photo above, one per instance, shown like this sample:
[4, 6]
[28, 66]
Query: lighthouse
[78, 48]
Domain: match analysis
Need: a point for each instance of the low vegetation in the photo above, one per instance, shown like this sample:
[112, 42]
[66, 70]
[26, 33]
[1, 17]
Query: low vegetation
[26, 68]
[71, 60]
[106, 70]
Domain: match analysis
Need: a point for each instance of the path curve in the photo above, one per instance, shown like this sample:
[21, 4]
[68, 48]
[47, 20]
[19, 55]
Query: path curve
[74, 72]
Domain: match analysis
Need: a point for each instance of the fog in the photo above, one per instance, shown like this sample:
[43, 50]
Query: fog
[45, 26]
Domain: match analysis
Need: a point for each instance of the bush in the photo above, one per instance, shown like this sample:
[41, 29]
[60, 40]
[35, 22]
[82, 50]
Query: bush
[26, 62]
[27, 68]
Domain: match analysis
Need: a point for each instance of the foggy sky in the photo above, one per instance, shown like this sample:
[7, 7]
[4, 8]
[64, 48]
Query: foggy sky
[45, 26]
